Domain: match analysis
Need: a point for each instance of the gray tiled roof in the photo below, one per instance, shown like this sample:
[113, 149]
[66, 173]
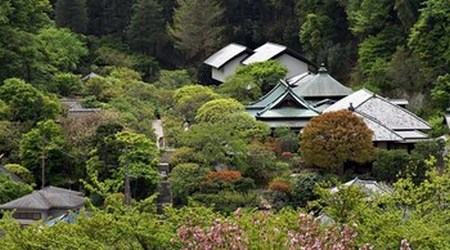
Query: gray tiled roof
[322, 85]
[47, 198]
[370, 187]
[224, 55]
[380, 131]
[389, 114]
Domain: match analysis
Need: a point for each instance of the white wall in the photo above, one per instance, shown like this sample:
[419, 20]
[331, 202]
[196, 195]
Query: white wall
[228, 69]
[294, 66]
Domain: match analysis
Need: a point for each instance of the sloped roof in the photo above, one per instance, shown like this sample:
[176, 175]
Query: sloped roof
[11, 174]
[226, 54]
[269, 51]
[322, 85]
[387, 113]
[369, 187]
[47, 198]
[270, 97]
[303, 109]
[299, 79]
[380, 131]
[447, 119]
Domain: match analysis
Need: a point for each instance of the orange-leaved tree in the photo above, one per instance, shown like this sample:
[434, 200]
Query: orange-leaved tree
[334, 138]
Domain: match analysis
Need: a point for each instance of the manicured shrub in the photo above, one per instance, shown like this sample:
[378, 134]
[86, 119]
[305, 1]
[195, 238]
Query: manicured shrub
[224, 175]
[280, 185]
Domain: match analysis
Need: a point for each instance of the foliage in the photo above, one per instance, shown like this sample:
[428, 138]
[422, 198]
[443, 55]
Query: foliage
[171, 79]
[218, 110]
[146, 27]
[66, 84]
[427, 37]
[227, 201]
[280, 185]
[195, 29]
[441, 92]
[182, 155]
[224, 175]
[250, 81]
[389, 164]
[62, 49]
[11, 189]
[303, 188]
[189, 98]
[185, 180]
[334, 138]
[26, 103]
[41, 150]
[21, 172]
[72, 15]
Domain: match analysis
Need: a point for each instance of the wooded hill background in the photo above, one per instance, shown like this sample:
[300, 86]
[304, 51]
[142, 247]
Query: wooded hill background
[397, 48]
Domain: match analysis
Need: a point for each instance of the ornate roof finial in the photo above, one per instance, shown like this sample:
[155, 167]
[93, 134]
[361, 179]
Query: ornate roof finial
[322, 68]
[351, 108]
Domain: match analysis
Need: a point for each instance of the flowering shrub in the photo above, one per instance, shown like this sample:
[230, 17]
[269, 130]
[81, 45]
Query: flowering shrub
[281, 186]
[268, 231]
[224, 175]
[221, 235]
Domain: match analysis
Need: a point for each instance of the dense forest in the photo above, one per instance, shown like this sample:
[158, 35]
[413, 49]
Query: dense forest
[132, 62]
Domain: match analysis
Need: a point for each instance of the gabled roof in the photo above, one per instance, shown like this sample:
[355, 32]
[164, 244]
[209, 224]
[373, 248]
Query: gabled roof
[270, 50]
[227, 53]
[47, 198]
[392, 116]
[322, 85]
[274, 110]
[270, 97]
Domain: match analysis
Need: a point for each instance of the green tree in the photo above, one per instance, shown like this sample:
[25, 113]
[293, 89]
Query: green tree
[185, 179]
[138, 159]
[251, 81]
[146, 28]
[41, 150]
[66, 84]
[219, 110]
[390, 165]
[196, 28]
[441, 92]
[335, 138]
[62, 49]
[11, 189]
[71, 14]
[188, 99]
[26, 102]
[22, 172]
[428, 35]
[316, 36]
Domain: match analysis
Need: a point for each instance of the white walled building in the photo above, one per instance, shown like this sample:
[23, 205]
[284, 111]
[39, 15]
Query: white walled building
[225, 61]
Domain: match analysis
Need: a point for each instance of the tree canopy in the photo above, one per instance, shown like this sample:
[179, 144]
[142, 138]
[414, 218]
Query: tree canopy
[334, 138]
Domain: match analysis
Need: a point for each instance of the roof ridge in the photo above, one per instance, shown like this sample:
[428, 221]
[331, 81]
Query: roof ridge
[280, 82]
[378, 122]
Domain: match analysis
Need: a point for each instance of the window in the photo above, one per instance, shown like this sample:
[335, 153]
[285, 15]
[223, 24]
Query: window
[27, 216]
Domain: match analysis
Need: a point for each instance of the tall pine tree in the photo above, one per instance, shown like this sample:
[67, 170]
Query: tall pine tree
[196, 28]
[71, 14]
[146, 29]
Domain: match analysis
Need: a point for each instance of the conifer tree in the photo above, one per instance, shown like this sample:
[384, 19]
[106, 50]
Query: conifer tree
[146, 27]
[71, 14]
[196, 30]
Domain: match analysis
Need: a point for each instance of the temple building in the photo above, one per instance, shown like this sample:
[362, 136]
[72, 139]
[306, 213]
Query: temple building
[224, 62]
[294, 101]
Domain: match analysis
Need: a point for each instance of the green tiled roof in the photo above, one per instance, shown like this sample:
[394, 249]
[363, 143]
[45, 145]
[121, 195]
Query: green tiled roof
[288, 112]
[322, 85]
